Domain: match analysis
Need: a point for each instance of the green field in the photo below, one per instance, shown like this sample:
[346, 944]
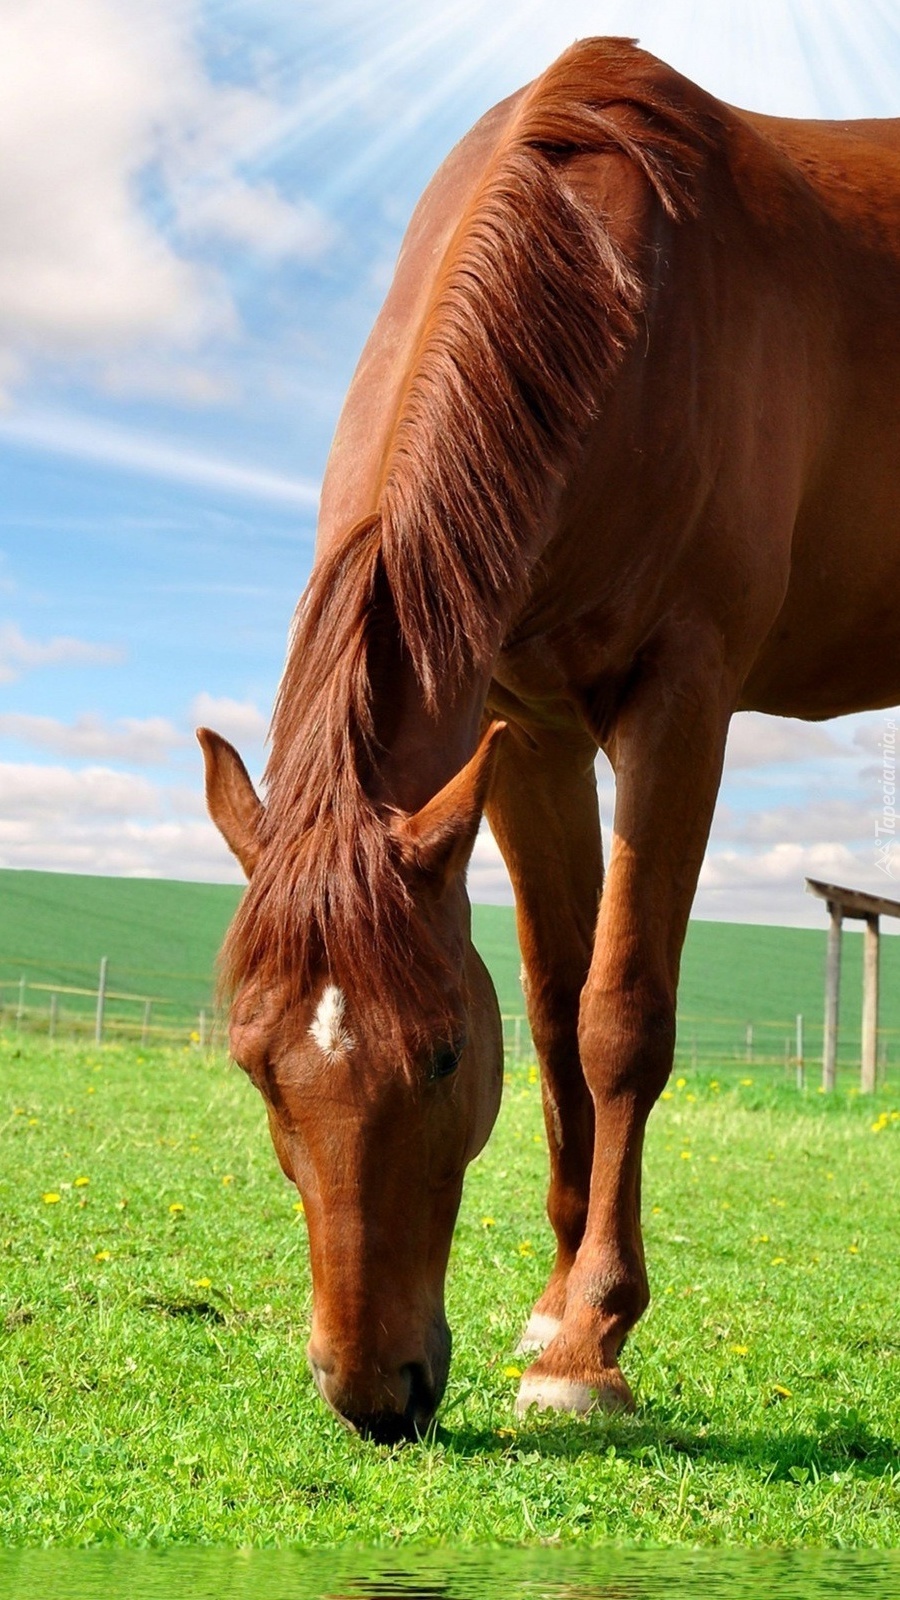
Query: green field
[161, 939]
[154, 1306]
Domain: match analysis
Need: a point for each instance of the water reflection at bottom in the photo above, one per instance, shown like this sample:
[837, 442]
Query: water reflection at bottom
[503, 1574]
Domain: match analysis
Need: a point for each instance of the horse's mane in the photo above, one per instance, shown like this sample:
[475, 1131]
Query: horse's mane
[529, 317]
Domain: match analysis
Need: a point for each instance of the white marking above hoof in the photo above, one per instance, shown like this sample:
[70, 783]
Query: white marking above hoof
[554, 1394]
[539, 1330]
[328, 1026]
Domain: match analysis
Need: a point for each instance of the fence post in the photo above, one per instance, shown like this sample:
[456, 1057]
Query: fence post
[101, 1000]
[201, 1029]
[749, 1041]
[801, 1068]
[54, 1012]
[20, 1008]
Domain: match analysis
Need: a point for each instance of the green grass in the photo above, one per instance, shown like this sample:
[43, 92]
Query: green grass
[153, 1384]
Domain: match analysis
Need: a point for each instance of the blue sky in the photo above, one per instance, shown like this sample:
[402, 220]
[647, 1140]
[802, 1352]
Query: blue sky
[201, 205]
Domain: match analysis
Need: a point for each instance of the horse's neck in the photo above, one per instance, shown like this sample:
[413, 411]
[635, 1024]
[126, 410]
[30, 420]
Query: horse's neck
[423, 750]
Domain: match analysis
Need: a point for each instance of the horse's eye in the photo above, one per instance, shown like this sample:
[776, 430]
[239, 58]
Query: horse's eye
[446, 1059]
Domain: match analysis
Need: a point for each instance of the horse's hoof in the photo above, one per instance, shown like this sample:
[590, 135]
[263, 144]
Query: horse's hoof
[611, 1393]
[539, 1330]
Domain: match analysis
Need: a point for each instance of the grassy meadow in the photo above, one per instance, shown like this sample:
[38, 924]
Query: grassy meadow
[154, 1303]
[161, 940]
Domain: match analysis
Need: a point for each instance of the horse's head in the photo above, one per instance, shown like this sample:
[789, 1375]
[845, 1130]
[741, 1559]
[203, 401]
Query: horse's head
[375, 1124]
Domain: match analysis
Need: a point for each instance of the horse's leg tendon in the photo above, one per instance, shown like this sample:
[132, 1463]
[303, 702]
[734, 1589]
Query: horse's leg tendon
[543, 812]
[667, 751]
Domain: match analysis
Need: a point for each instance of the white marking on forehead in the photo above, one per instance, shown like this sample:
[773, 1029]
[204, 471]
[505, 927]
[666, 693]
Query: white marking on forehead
[328, 1027]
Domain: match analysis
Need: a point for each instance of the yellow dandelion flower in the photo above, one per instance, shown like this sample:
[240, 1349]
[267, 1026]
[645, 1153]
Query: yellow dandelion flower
[51, 1198]
[761, 1238]
[741, 1349]
[657, 1211]
[714, 1083]
[195, 1037]
[33, 1122]
[779, 1392]
[680, 1083]
[91, 1089]
[488, 1222]
[202, 1283]
[779, 1261]
[18, 1111]
[228, 1178]
[102, 1255]
[853, 1249]
[176, 1208]
[746, 1083]
[299, 1206]
[713, 1158]
[685, 1155]
[526, 1248]
[666, 1095]
[82, 1183]
[512, 1372]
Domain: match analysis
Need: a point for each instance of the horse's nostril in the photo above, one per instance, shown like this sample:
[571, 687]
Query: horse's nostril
[420, 1406]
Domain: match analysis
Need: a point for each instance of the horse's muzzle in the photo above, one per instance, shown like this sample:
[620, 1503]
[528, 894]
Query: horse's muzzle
[388, 1407]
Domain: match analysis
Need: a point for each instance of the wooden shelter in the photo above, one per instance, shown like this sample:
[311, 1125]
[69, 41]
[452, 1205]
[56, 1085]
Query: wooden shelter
[853, 903]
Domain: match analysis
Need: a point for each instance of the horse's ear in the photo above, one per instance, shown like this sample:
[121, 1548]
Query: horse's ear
[231, 799]
[438, 839]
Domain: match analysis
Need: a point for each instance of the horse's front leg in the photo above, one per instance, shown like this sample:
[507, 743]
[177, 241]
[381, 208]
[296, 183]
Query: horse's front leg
[666, 749]
[543, 812]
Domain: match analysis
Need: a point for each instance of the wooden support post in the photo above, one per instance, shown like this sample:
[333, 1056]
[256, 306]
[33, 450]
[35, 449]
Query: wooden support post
[870, 1007]
[801, 1070]
[832, 997]
[101, 1001]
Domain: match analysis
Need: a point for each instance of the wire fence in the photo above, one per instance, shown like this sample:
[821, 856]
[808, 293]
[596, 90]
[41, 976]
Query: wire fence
[108, 1003]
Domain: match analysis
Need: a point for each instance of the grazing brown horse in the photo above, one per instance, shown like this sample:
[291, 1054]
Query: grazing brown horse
[621, 456]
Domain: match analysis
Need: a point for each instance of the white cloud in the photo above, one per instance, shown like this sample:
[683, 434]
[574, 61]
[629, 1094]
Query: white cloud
[95, 100]
[183, 382]
[142, 742]
[99, 820]
[84, 93]
[834, 819]
[30, 796]
[755, 740]
[237, 720]
[89, 440]
[257, 218]
[18, 654]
